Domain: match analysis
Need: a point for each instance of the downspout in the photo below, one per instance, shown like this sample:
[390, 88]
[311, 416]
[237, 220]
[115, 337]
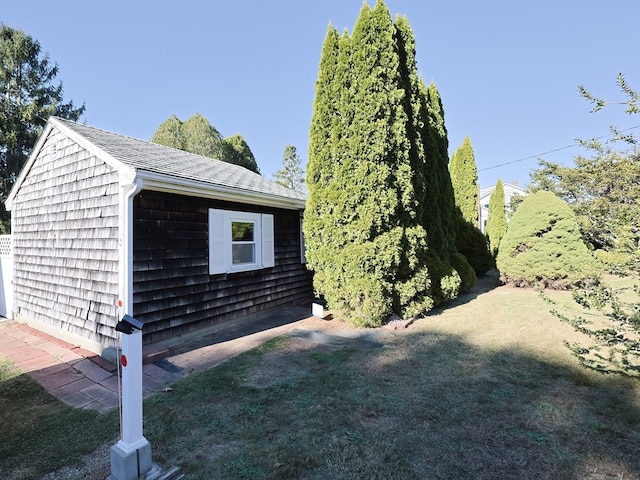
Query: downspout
[125, 245]
[131, 455]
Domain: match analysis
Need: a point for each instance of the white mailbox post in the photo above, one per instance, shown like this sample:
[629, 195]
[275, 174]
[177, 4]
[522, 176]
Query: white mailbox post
[131, 456]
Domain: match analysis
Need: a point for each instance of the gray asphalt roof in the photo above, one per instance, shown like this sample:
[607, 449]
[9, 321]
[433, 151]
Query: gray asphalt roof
[151, 157]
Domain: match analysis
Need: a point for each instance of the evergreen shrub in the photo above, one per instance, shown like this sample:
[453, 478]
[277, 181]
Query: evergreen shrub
[542, 246]
[445, 280]
[465, 271]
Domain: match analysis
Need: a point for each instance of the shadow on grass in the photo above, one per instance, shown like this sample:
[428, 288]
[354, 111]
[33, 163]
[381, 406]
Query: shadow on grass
[39, 433]
[426, 406]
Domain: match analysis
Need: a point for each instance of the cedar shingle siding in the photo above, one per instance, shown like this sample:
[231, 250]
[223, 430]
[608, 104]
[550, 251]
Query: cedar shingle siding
[65, 241]
[173, 291]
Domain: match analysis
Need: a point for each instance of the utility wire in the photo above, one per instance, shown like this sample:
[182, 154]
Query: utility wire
[575, 144]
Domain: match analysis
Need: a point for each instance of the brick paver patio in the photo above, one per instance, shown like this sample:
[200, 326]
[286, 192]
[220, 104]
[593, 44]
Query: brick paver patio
[83, 379]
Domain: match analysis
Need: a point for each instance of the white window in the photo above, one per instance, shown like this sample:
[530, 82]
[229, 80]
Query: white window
[240, 241]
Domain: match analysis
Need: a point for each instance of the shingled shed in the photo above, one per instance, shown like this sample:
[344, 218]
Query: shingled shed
[184, 242]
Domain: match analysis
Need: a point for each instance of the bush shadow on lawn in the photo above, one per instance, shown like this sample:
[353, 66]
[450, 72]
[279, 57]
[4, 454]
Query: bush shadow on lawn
[484, 284]
[40, 433]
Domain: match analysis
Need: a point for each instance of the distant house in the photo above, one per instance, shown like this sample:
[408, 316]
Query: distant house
[181, 242]
[510, 190]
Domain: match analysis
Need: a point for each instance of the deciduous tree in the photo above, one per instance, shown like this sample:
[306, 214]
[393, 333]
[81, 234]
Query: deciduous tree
[237, 151]
[169, 134]
[197, 135]
[604, 189]
[202, 138]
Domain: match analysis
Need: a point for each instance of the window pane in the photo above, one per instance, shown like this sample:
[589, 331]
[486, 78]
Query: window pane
[242, 231]
[243, 253]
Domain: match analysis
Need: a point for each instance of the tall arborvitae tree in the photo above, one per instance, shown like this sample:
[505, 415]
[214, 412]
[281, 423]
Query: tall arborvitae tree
[470, 241]
[369, 254]
[464, 177]
[445, 199]
[321, 239]
[446, 193]
[497, 221]
[380, 221]
[446, 279]
[426, 165]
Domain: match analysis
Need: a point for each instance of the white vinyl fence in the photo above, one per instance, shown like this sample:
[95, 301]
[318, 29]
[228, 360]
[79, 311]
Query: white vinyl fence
[6, 277]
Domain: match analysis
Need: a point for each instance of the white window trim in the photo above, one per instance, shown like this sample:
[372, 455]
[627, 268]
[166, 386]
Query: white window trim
[220, 244]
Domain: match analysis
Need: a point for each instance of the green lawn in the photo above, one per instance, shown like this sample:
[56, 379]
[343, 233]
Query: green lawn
[485, 389]
[40, 434]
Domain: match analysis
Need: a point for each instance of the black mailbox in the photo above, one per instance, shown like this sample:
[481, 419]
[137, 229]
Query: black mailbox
[128, 324]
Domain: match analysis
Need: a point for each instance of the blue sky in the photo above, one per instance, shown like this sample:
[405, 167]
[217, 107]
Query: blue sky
[508, 71]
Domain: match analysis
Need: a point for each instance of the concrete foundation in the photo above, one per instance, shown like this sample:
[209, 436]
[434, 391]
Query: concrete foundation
[130, 465]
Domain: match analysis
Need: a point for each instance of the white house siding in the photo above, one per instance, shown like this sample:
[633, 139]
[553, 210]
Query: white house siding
[65, 243]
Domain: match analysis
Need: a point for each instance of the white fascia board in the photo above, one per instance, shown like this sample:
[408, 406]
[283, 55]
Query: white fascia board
[193, 188]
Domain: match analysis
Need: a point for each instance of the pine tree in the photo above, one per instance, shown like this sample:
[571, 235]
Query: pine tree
[497, 221]
[291, 174]
[464, 177]
[29, 95]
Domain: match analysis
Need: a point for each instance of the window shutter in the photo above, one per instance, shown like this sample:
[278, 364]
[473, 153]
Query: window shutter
[268, 253]
[217, 254]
